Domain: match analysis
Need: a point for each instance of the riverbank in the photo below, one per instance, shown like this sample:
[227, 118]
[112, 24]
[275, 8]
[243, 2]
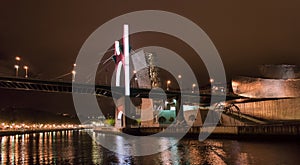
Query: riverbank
[28, 131]
[230, 132]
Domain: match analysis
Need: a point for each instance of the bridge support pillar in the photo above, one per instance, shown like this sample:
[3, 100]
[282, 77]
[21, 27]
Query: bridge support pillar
[124, 112]
[179, 114]
[127, 120]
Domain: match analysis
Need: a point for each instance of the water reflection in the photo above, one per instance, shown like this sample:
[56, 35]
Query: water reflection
[77, 147]
[38, 148]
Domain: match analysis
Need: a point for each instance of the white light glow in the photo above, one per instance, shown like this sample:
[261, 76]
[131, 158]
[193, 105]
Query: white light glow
[117, 48]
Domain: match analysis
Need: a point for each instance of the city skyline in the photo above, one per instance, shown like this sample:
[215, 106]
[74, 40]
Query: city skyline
[48, 36]
[150, 82]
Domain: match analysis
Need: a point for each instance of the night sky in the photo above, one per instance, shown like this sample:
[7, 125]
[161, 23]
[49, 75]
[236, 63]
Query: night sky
[48, 35]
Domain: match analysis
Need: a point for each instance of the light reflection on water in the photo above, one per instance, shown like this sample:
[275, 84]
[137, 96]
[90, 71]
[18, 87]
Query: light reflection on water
[76, 147]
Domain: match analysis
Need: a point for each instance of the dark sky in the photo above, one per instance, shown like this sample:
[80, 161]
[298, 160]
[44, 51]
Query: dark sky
[49, 34]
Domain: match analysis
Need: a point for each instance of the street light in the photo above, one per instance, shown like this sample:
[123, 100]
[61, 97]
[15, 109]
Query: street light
[211, 80]
[194, 85]
[134, 72]
[134, 84]
[17, 70]
[73, 75]
[168, 83]
[73, 72]
[18, 59]
[179, 77]
[26, 71]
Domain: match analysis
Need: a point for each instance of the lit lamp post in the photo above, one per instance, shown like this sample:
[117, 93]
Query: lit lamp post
[73, 75]
[194, 85]
[18, 59]
[168, 83]
[17, 70]
[26, 71]
[135, 79]
[179, 78]
[213, 87]
[73, 72]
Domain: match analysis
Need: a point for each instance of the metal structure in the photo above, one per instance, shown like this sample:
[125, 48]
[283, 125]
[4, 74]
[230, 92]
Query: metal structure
[153, 70]
[100, 90]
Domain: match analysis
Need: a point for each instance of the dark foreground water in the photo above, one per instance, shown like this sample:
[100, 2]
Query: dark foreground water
[77, 147]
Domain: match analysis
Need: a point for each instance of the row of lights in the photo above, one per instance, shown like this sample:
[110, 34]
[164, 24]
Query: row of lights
[193, 85]
[17, 66]
[26, 68]
[169, 81]
[18, 59]
[6, 126]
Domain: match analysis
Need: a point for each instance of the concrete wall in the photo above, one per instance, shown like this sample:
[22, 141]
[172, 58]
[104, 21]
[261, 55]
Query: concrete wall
[281, 109]
[119, 109]
[193, 117]
[229, 121]
[147, 112]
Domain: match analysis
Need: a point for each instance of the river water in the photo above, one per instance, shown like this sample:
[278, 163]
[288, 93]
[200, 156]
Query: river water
[77, 147]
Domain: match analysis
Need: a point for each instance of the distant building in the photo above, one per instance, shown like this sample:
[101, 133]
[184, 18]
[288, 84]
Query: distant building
[279, 87]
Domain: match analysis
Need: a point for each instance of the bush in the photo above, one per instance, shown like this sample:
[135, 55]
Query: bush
[138, 121]
[171, 119]
[162, 119]
[110, 122]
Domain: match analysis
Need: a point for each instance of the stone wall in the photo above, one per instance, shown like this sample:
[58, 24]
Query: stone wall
[281, 109]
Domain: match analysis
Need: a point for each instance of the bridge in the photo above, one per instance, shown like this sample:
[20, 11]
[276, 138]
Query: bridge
[26, 84]
[203, 97]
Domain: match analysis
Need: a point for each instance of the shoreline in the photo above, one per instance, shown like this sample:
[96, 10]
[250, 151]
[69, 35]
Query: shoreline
[21, 132]
[263, 132]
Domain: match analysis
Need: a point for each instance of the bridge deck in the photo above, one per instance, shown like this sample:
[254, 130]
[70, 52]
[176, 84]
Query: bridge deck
[100, 90]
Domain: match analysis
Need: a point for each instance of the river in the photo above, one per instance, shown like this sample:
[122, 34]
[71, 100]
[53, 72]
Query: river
[77, 147]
